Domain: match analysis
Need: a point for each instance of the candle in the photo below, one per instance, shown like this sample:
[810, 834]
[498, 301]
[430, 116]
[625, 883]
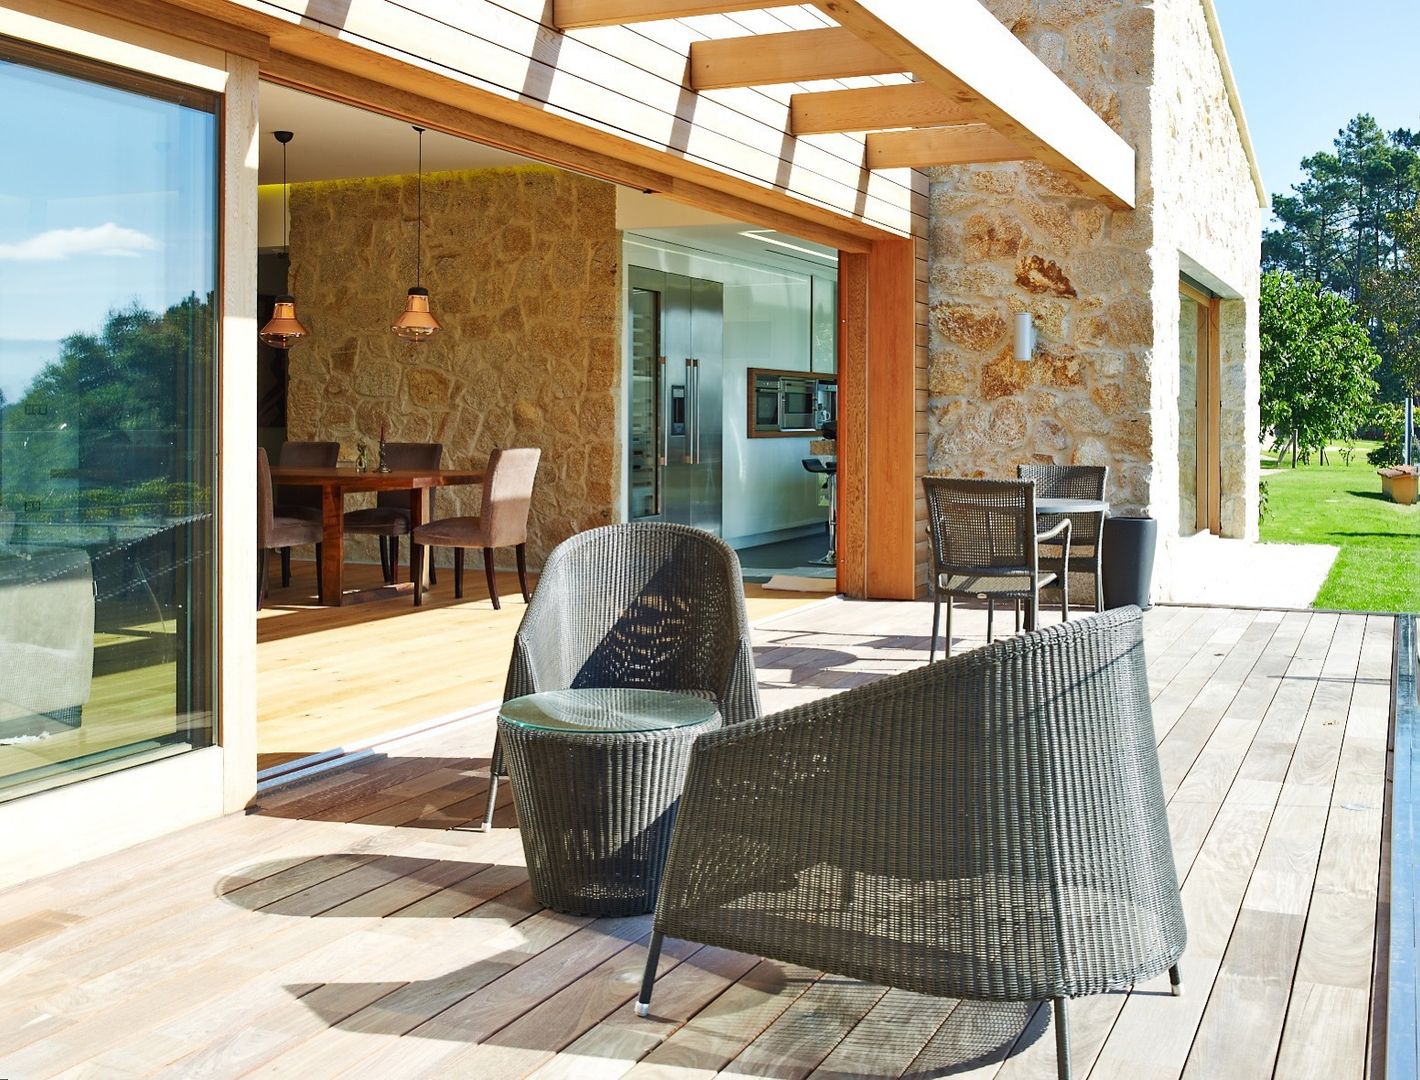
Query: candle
[382, 431]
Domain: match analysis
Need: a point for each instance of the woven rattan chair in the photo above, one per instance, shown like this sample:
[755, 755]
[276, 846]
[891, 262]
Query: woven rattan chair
[645, 605]
[390, 517]
[985, 542]
[301, 501]
[1072, 482]
[992, 828]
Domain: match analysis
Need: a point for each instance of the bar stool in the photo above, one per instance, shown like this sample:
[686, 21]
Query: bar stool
[820, 467]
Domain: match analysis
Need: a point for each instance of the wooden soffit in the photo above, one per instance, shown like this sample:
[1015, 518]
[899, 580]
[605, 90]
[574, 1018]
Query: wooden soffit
[977, 93]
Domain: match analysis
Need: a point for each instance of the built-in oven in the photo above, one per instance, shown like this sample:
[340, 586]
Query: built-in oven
[765, 403]
[797, 402]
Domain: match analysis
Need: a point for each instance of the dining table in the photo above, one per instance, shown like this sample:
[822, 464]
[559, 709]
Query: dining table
[1045, 506]
[335, 484]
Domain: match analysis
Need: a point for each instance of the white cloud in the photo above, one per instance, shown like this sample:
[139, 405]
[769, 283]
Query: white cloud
[58, 244]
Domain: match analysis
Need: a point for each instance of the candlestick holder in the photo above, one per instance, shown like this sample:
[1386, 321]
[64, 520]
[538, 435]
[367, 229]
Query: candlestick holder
[384, 465]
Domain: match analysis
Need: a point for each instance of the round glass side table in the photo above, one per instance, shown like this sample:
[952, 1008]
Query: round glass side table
[597, 776]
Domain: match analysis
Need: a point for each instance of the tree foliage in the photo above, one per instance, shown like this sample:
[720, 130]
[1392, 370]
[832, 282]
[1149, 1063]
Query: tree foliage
[1343, 225]
[1317, 362]
[1394, 292]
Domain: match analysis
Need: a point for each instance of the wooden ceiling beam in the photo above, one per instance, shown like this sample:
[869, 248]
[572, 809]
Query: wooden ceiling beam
[961, 144]
[969, 56]
[579, 14]
[791, 57]
[873, 108]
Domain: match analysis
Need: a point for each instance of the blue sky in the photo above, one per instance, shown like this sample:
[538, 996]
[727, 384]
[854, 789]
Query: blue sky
[96, 210]
[1305, 67]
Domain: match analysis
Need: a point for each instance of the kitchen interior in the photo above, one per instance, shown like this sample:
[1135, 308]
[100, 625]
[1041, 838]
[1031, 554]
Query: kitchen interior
[732, 387]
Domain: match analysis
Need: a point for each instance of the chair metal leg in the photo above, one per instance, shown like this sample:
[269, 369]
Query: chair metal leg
[320, 575]
[522, 553]
[648, 980]
[286, 568]
[1099, 589]
[394, 560]
[492, 582]
[1062, 1039]
[1065, 598]
[1017, 605]
[1033, 613]
[458, 573]
[947, 640]
[1175, 981]
[990, 620]
[936, 616]
[492, 797]
[416, 571]
[385, 559]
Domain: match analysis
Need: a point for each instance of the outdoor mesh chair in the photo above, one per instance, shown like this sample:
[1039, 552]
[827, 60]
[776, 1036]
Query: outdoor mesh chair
[1072, 482]
[991, 828]
[645, 605]
[985, 545]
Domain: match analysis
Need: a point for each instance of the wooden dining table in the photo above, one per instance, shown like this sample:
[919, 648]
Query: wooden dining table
[335, 484]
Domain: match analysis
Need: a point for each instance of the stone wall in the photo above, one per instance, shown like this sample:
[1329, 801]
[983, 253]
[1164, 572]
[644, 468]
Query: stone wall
[1102, 285]
[523, 270]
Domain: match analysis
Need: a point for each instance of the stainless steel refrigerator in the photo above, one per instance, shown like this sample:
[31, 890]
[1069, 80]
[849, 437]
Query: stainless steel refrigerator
[677, 398]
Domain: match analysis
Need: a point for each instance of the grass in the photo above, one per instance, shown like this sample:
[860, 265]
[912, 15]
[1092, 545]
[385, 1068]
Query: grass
[1378, 568]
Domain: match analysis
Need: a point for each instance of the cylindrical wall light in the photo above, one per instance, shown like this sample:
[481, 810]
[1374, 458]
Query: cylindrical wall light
[1024, 338]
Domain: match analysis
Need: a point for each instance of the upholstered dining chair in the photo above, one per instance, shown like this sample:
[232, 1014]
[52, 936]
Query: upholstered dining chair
[281, 533]
[301, 500]
[390, 517]
[644, 605]
[1072, 482]
[985, 545]
[502, 521]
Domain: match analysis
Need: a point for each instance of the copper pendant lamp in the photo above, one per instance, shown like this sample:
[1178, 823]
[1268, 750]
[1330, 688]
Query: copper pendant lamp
[283, 329]
[416, 323]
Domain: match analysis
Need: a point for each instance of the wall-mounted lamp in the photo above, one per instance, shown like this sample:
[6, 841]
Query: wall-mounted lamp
[1024, 339]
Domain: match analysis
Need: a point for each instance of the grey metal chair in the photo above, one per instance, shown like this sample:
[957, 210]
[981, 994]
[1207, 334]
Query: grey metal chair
[300, 500]
[279, 532]
[390, 517]
[985, 544]
[644, 605]
[1073, 482]
[991, 828]
[502, 521]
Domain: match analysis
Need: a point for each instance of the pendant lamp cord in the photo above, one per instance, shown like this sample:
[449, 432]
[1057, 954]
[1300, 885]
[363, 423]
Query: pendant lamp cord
[419, 213]
[285, 221]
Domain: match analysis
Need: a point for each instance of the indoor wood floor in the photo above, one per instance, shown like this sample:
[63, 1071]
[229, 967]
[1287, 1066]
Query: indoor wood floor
[356, 926]
[331, 678]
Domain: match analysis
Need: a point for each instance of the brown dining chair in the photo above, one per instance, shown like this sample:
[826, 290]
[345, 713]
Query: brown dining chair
[279, 532]
[301, 501]
[502, 521]
[390, 517]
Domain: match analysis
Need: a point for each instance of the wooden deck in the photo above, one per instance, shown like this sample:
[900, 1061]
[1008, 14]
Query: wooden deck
[354, 926]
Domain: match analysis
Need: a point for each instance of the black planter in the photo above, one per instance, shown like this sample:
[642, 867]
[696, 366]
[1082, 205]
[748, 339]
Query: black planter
[1127, 560]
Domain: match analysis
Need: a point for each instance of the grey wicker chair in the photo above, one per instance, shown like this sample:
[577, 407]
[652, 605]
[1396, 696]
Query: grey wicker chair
[1072, 482]
[645, 605]
[991, 827]
[985, 544]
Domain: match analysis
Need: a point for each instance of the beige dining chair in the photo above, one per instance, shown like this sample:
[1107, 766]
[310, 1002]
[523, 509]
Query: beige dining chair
[502, 521]
[282, 533]
[301, 500]
[390, 517]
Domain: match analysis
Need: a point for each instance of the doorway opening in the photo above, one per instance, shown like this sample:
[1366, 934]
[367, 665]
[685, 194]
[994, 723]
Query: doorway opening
[1200, 476]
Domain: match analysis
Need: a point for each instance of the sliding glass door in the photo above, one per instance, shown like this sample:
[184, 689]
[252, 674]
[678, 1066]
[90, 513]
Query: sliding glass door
[108, 270]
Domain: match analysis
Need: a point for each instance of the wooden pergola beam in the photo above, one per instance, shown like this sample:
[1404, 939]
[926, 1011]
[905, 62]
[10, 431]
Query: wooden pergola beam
[791, 57]
[974, 60]
[578, 14]
[873, 108]
[961, 144]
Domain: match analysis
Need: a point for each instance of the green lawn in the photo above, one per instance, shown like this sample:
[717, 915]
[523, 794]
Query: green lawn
[1379, 565]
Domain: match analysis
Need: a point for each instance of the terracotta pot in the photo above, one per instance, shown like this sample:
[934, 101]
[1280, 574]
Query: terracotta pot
[1400, 485]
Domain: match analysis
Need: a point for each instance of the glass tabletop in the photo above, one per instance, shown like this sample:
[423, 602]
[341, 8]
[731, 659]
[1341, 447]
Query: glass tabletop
[607, 711]
[1070, 506]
